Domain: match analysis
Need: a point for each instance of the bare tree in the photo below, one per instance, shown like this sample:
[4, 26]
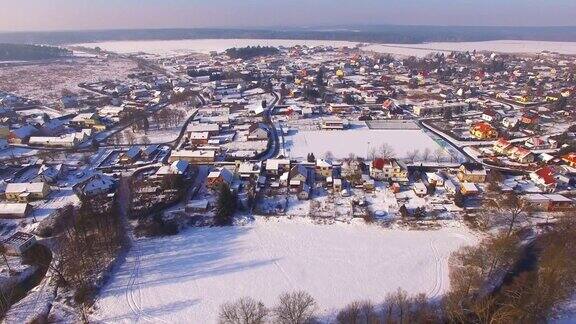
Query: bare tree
[298, 307]
[510, 208]
[145, 140]
[358, 312]
[243, 311]
[328, 156]
[413, 155]
[386, 151]
[3, 252]
[130, 138]
[439, 154]
[426, 154]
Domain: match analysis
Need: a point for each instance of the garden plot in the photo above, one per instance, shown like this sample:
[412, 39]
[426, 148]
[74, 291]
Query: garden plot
[185, 278]
[359, 140]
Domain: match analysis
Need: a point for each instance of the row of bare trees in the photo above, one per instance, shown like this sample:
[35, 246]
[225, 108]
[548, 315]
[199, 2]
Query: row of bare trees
[297, 307]
[490, 283]
[168, 117]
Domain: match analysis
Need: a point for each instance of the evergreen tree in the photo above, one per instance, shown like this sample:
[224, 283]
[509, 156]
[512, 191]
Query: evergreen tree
[225, 206]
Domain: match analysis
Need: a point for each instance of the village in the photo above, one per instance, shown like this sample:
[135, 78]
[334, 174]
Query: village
[330, 134]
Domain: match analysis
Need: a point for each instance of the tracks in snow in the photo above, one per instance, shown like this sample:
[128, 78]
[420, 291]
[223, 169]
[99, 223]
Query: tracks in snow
[133, 294]
[439, 283]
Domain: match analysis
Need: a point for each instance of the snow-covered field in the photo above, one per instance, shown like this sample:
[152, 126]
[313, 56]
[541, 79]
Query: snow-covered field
[186, 46]
[185, 278]
[503, 46]
[179, 47]
[359, 140]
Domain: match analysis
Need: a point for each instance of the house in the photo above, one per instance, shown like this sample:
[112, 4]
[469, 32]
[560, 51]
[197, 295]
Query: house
[257, 133]
[180, 167]
[150, 151]
[211, 129]
[544, 178]
[389, 170]
[193, 156]
[334, 124]
[434, 178]
[469, 189]
[483, 131]
[19, 243]
[323, 168]
[472, 172]
[510, 122]
[304, 192]
[87, 120]
[420, 189]
[570, 159]
[501, 146]
[549, 202]
[21, 134]
[277, 166]
[50, 173]
[248, 170]
[538, 143]
[97, 184]
[219, 177]
[298, 175]
[131, 155]
[27, 191]
[529, 118]
[67, 140]
[199, 138]
[337, 185]
[15, 210]
[490, 115]
[521, 154]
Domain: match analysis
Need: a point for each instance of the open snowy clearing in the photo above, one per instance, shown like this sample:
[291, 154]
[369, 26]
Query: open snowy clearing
[358, 140]
[185, 278]
[186, 46]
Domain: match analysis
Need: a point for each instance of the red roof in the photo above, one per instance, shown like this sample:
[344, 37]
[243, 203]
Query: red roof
[546, 174]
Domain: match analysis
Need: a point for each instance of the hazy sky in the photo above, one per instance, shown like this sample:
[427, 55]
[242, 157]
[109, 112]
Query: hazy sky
[109, 14]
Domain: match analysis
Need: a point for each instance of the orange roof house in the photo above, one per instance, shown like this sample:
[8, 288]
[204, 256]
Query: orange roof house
[483, 130]
[570, 159]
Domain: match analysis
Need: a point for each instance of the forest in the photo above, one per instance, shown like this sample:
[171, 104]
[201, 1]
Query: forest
[23, 52]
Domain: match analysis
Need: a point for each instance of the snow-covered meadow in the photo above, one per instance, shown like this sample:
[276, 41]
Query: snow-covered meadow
[185, 278]
[359, 140]
[502, 46]
[186, 46]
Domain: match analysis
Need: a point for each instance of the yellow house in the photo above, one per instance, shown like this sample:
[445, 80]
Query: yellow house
[483, 131]
[24, 192]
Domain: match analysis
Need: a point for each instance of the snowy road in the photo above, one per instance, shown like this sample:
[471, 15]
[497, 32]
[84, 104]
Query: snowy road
[184, 279]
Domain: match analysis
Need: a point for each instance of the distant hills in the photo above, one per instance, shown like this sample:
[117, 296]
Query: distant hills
[369, 33]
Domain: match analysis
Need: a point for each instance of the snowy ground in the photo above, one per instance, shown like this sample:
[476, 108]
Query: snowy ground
[186, 278]
[180, 47]
[503, 46]
[358, 140]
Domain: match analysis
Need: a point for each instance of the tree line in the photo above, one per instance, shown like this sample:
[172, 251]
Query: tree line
[31, 52]
[251, 52]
